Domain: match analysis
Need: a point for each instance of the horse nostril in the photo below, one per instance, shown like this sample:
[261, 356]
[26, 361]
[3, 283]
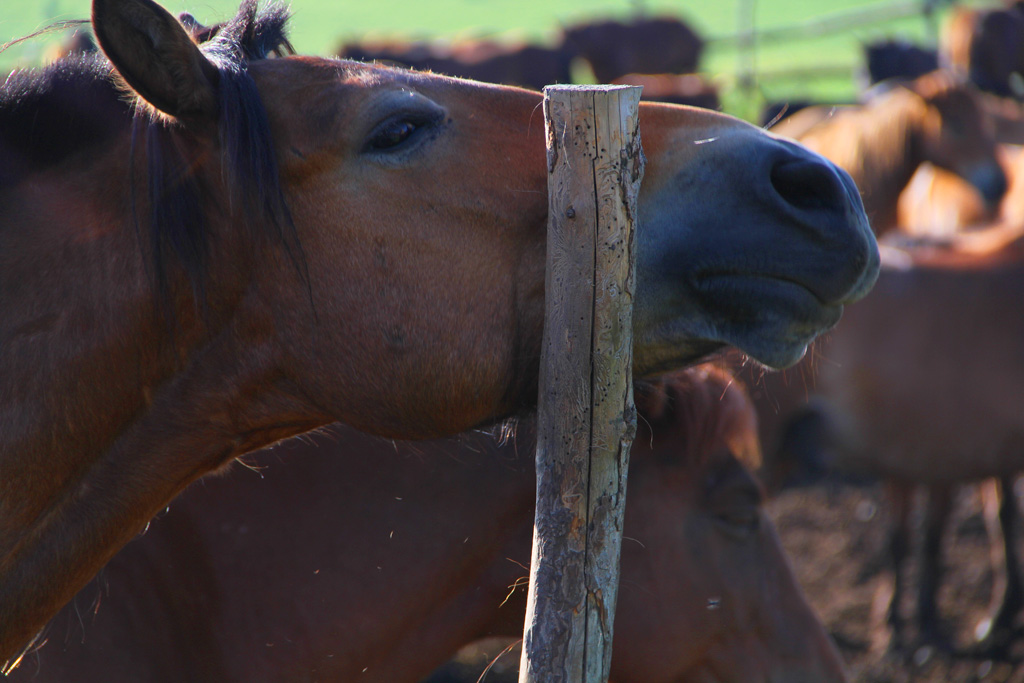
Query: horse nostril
[808, 184]
[826, 208]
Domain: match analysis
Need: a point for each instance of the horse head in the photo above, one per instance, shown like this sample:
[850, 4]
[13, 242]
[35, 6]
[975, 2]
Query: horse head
[694, 510]
[955, 134]
[328, 240]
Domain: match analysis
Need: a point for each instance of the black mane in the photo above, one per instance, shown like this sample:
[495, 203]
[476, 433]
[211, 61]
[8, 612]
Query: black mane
[76, 104]
[51, 114]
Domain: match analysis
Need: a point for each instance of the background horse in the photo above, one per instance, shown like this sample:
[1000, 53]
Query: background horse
[881, 143]
[987, 46]
[897, 58]
[644, 45]
[921, 384]
[530, 66]
[247, 248]
[937, 203]
[243, 579]
[690, 89]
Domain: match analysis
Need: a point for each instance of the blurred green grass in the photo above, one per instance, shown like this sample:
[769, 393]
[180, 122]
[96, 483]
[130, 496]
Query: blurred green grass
[818, 68]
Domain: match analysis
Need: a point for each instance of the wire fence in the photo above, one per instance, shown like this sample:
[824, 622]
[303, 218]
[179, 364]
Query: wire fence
[818, 58]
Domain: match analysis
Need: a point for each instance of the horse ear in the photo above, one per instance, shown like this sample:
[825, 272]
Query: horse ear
[651, 399]
[156, 57]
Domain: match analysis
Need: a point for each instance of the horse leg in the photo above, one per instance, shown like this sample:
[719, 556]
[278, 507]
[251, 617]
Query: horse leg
[900, 497]
[940, 505]
[996, 633]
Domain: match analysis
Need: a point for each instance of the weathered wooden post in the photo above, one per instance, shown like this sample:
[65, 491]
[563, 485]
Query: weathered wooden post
[586, 418]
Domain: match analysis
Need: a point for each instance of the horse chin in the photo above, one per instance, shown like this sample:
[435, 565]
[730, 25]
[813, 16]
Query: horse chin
[775, 347]
[778, 342]
[776, 356]
[770, 320]
[668, 351]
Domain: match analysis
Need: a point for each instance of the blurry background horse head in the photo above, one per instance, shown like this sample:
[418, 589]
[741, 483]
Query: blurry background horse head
[244, 578]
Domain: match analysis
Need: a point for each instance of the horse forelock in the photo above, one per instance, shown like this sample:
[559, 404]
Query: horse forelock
[697, 413]
[253, 33]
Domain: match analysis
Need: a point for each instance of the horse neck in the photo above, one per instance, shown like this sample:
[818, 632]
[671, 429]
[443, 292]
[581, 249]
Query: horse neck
[434, 535]
[888, 154]
[89, 340]
[428, 531]
[99, 393]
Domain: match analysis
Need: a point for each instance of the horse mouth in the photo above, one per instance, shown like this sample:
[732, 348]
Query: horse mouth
[771, 318]
[729, 282]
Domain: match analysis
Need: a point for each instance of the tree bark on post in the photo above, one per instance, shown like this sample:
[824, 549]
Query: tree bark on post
[586, 417]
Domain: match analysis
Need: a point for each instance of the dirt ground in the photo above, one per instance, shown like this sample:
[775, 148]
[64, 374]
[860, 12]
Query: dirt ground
[835, 534]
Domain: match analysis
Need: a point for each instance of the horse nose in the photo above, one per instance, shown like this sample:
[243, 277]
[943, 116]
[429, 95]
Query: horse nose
[825, 202]
[807, 184]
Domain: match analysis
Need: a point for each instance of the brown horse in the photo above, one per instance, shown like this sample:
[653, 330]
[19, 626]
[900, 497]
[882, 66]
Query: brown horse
[881, 143]
[244, 578]
[204, 251]
[937, 203]
[641, 45]
[690, 89]
[897, 58]
[987, 46]
[920, 384]
[530, 66]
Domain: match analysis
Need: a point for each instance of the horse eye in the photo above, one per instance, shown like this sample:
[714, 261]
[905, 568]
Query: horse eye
[739, 518]
[392, 135]
[734, 501]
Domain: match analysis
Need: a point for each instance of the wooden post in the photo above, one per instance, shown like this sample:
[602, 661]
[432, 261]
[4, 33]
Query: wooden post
[586, 418]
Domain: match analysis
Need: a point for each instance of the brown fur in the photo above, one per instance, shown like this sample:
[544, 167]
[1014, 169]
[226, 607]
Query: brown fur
[646, 45]
[938, 203]
[303, 275]
[919, 384]
[246, 577]
[526, 65]
[690, 89]
[987, 46]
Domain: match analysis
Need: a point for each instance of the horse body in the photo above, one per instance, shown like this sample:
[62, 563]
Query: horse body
[690, 89]
[642, 45]
[244, 580]
[920, 385]
[924, 418]
[987, 45]
[896, 58]
[919, 421]
[882, 143]
[252, 248]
